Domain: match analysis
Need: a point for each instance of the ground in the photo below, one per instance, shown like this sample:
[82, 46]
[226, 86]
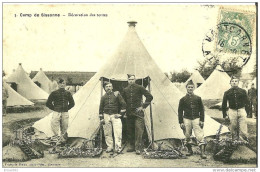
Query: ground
[123, 160]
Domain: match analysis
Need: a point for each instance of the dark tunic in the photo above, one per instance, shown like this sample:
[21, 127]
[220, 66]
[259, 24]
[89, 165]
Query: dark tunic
[237, 99]
[60, 101]
[111, 103]
[133, 94]
[190, 107]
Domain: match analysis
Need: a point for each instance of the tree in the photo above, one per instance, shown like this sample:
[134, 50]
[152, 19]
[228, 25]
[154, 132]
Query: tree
[69, 80]
[180, 76]
[230, 66]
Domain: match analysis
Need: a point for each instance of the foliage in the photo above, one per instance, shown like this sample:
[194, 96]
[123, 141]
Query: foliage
[179, 76]
[230, 66]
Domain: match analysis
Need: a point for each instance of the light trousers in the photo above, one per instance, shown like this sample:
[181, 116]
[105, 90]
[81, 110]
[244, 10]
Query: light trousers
[193, 125]
[60, 122]
[111, 125]
[238, 124]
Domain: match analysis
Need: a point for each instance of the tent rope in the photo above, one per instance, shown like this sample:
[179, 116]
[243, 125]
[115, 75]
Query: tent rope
[165, 98]
[84, 103]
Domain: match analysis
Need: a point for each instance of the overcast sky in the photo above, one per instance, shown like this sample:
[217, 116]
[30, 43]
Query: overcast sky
[171, 33]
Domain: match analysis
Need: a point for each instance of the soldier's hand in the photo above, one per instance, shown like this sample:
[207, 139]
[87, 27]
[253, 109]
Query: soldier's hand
[201, 124]
[182, 126]
[118, 116]
[101, 116]
[102, 122]
[226, 119]
[139, 109]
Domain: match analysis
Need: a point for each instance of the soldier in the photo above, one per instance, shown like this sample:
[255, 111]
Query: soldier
[109, 113]
[191, 117]
[252, 98]
[238, 109]
[60, 101]
[53, 85]
[133, 94]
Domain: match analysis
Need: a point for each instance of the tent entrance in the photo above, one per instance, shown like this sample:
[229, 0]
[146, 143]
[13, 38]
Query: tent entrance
[119, 85]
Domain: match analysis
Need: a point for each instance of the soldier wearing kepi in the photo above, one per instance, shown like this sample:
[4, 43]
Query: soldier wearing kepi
[191, 117]
[109, 110]
[60, 101]
[133, 94]
[238, 109]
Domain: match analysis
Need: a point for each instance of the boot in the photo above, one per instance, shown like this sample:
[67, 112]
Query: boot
[202, 151]
[190, 152]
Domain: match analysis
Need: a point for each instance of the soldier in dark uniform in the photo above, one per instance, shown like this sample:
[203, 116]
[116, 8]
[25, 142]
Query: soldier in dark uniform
[133, 94]
[238, 109]
[191, 117]
[252, 98]
[109, 110]
[60, 101]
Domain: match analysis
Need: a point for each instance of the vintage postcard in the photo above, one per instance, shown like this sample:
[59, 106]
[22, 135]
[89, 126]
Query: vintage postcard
[129, 85]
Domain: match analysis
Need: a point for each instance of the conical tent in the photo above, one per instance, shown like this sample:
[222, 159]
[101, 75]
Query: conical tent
[43, 80]
[196, 78]
[215, 86]
[131, 57]
[25, 86]
[16, 99]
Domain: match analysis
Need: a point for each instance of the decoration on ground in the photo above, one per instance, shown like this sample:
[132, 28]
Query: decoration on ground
[225, 148]
[20, 148]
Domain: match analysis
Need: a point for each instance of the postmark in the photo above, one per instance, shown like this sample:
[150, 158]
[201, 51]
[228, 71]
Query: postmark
[230, 42]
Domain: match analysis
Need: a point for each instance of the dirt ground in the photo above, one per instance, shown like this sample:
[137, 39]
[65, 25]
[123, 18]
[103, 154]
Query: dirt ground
[123, 160]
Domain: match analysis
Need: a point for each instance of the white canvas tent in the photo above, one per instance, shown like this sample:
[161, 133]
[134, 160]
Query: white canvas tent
[131, 57]
[196, 78]
[215, 86]
[16, 99]
[43, 80]
[25, 86]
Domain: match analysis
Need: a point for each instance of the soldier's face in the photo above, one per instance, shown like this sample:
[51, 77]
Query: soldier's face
[190, 89]
[62, 85]
[108, 87]
[234, 82]
[131, 80]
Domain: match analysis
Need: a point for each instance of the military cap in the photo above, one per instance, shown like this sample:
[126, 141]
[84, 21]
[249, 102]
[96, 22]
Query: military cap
[190, 82]
[129, 75]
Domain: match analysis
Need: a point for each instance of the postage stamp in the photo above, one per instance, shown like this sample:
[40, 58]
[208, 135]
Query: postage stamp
[231, 41]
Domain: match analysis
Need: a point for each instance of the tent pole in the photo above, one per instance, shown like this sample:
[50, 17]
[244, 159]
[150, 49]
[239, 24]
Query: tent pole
[151, 114]
[100, 129]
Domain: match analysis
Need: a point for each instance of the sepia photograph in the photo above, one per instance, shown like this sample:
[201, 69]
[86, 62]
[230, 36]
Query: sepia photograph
[132, 85]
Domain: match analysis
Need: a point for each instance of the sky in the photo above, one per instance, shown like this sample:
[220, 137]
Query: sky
[172, 34]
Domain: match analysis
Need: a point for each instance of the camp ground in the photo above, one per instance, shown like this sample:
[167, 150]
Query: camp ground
[161, 118]
[66, 67]
[164, 107]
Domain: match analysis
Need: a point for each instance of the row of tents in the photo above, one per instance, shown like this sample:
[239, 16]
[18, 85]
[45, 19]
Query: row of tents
[26, 91]
[161, 119]
[213, 87]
